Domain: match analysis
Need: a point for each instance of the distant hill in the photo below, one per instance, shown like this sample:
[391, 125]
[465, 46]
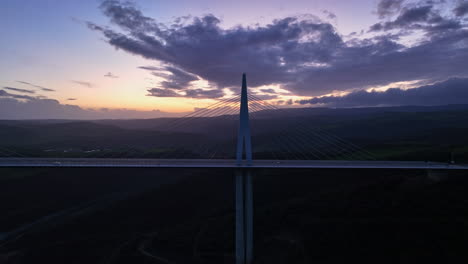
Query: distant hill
[407, 132]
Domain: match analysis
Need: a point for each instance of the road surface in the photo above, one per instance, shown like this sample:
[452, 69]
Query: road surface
[224, 163]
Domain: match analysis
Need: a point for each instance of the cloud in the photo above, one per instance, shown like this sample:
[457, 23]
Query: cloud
[265, 97]
[268, 90]
[85, 84]
[176, 79]
[302, 54]
[127, 16]
[284, 102]
[452, 91]
[19, 90]
[6, 94]
[177, 84]
[71, 99]
[190, 93]
[424, 16]
[329, 14]
[387, 8]
[203, 49]
[411, 15]
[150, 68]
[201, 93]
[408, 17]
[159, 92]
[110, 75]
[461, 9]
[45, 89]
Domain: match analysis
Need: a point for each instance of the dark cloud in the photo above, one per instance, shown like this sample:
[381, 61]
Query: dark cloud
[19, 90]
[376, 27]
[305, 56]
[200, 93]
[408, 17]
[174, 79]
[443, 27]
[71, 99]
[265, 97]
[160, 92]
[150, 68]
[269, 90]
[110, 75]
[417, 14]
[420, 16]
[190, 93]
[203, 49]
[85, 84]
[127, 16]
[45, 89]
[452, 91]
[285, 102]
[177, 84]
[4, 93]
[461, 9]
[387, 8]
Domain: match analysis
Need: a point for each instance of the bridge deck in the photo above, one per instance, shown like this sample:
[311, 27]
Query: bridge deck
[223, 163]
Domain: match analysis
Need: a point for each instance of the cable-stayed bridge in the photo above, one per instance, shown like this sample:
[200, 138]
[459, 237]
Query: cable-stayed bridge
[224, 163]
[233, 124]
[236, 122]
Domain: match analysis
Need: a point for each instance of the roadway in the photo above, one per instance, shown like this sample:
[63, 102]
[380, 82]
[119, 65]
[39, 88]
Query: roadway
[224, 163]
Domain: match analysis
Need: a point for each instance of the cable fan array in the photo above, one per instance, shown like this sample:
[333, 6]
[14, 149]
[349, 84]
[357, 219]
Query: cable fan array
[299, 140]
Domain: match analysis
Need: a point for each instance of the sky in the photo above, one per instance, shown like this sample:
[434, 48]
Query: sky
[95, 59]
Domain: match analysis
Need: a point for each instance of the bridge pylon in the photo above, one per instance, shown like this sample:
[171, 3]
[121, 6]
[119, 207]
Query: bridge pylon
[244, 188]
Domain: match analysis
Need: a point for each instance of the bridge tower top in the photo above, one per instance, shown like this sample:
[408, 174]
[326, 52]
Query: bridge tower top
[244, 144]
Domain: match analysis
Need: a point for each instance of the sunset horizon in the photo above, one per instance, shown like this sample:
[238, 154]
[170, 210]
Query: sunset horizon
[149, 59]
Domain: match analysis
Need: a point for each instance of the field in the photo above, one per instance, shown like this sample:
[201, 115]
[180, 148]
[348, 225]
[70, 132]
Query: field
[301, 216]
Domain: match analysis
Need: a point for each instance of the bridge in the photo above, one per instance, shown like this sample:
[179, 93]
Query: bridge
[225, 163]
[322, 145]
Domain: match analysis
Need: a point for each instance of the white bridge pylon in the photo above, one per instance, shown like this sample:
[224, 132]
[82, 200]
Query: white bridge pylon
[243, 182]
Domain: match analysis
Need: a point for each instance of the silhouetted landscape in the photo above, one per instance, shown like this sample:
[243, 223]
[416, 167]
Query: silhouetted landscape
[301, 216]
[433, 133]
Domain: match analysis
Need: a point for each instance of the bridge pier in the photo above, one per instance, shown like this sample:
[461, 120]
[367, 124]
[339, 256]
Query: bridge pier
[244, 216]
